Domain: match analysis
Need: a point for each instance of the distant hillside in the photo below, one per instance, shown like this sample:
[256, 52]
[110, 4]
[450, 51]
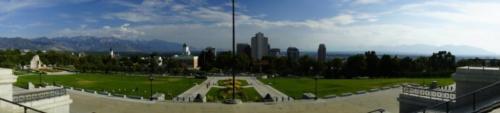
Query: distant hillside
[89, 43]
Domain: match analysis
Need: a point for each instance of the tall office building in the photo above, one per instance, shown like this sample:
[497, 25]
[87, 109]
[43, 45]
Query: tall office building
[211, 51]
[260, 46]
[243, 48]
[321, 53]
[275, 52]
[293, 54]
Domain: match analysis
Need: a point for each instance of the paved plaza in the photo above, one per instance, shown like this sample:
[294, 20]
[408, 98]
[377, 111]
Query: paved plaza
[386, 99]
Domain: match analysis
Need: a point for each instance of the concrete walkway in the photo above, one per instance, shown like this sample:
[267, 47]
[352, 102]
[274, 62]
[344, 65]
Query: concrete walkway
[386, 99]
[264, 89]
[205, 86]
[201, 89]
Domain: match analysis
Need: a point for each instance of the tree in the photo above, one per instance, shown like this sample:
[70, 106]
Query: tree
[355, 65]
[224, 60]
[386, 65]
[442, 61]
[371, 63]
[334, 68]
[243, 62]
[305, 62]
[407, 64]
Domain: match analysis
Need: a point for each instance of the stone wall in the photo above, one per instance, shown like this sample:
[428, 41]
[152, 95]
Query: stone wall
[58, 104]
[51, 105]
[410, 103]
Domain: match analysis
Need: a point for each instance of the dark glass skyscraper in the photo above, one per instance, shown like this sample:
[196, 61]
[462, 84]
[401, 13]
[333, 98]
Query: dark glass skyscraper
[321, 53]
[293, 54]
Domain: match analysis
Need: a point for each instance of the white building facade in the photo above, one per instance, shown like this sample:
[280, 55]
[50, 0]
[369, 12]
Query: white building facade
[260, 46]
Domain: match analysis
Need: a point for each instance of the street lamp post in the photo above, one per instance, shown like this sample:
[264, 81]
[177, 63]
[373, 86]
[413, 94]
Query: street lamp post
[315, 84]
[151, 87]
[151, 78]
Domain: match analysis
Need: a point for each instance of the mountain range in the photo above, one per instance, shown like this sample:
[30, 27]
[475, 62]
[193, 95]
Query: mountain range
[101, 44]
[89, 43]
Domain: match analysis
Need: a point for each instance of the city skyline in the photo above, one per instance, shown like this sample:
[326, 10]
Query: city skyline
[343, 25]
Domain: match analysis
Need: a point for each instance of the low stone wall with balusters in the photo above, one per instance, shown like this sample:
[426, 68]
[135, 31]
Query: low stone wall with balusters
[415, 97]
[160, 96]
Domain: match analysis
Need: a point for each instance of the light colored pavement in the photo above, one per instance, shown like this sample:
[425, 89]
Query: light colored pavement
[495, 111]
[386, 99]
[260, 87]
[201, 89]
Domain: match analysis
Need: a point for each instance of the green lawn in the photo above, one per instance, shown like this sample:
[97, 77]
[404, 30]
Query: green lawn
[295, 87]
[246, 95]
[129, 85]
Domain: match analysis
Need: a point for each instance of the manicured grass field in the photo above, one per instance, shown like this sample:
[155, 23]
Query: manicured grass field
[295, 87]
[115, 83]
[246, 95]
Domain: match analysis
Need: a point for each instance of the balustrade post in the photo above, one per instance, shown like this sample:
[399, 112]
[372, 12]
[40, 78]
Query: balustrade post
[447, 107]
[473, 101]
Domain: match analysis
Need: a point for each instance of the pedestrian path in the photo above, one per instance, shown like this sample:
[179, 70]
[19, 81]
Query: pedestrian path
[264, 89]
[205, 86]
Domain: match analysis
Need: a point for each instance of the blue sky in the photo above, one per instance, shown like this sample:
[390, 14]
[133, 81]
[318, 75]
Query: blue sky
[341, 24]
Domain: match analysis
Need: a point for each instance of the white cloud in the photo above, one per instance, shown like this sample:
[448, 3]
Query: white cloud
[123, 31]
[7, 6]
[147, 11]
[469, 11]
[13, 5]
[211, 26]
[368, 1]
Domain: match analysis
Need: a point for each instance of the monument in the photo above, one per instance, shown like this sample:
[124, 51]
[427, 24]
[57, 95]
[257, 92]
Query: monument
[36, 63]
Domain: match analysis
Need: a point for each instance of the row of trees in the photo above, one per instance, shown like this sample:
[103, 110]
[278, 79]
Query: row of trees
[369, 64]
[13, 58]
[133, 64]
[479, 62]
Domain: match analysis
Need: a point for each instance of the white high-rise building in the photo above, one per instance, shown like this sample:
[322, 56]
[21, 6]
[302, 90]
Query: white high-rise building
[260, 46]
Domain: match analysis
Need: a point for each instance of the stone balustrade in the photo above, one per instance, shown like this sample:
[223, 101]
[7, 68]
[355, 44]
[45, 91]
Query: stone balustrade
[34, 95]
[438, 93]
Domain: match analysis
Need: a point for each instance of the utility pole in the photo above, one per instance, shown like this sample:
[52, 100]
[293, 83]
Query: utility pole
[233, 57]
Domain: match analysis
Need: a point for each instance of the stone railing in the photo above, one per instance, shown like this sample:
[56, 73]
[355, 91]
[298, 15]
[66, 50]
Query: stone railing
[438, 93]
[156, 96]
[25, 109]
[38, 95]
